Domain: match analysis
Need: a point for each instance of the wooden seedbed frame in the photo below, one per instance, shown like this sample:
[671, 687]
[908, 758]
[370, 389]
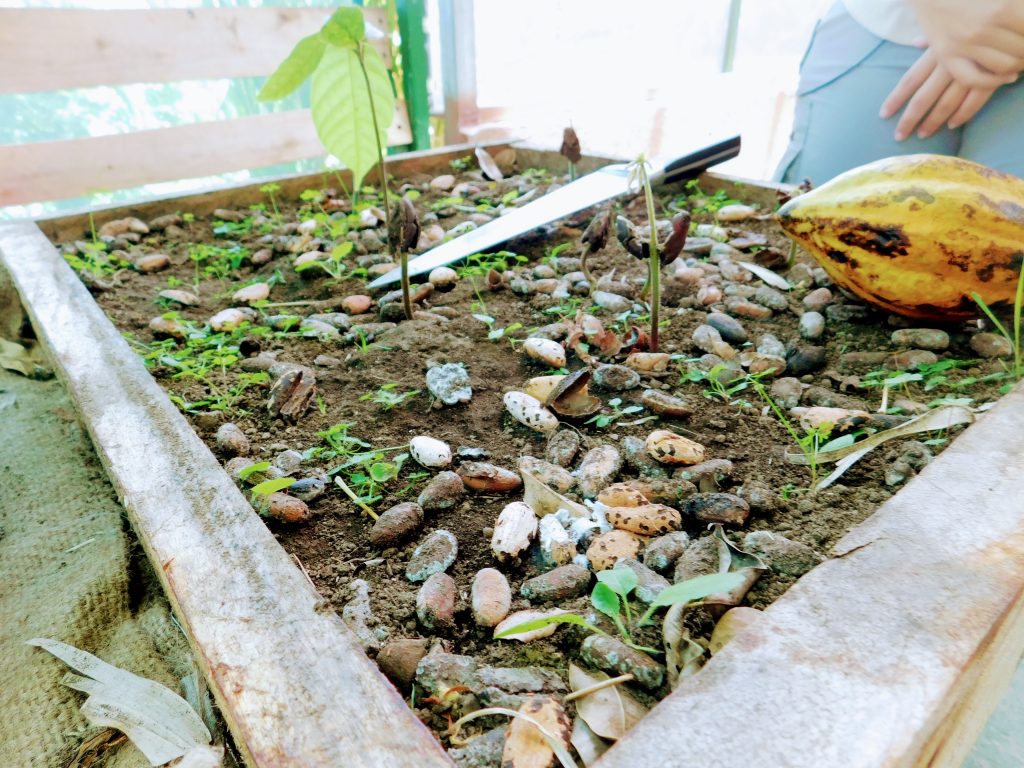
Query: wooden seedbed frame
[893, 653]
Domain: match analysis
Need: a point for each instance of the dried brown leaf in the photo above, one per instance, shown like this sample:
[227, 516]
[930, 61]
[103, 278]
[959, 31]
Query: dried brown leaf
[527, 744]
[609, 712]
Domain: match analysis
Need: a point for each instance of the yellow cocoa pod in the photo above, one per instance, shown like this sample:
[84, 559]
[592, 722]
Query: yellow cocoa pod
[917, 234]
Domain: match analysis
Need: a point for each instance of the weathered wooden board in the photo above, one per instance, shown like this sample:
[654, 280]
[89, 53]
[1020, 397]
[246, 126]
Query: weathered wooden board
[292, 682]
[70, 226]
[55, 170]
[48, 49]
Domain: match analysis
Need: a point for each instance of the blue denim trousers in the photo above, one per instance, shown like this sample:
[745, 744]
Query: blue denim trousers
[845, 76]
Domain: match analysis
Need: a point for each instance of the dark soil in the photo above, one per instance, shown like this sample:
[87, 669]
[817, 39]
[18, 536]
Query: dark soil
[333, 546]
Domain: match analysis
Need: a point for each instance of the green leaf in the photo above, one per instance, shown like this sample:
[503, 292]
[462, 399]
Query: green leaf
[345, 28]
[622, 581]
[698, 588]
[293, 71]
[839, 442]
[563, 618]
[383, 471]
[605, 600]
[252, 469]
[341, 251]
[268, 487]
[341, 107]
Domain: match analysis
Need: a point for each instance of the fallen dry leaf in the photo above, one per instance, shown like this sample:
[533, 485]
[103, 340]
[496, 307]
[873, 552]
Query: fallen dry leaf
[487, 165]
[526, 745]
[15, 357]
[589, 746]
[545, 501]
[683, 656]
[609, 712]
[158, 721]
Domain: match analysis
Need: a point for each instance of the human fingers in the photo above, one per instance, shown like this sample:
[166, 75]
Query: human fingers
[976, 99]
[1005, 40]
[996, 61]
[968, 72]
[949, 102]
[908, 85]
[921, 103]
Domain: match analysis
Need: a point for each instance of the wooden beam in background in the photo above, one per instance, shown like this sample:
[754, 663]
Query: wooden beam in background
[57, 170]
[49, 49]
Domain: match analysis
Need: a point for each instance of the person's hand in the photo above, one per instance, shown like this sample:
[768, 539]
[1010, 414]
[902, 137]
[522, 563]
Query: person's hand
[933, 97]
[981, 43]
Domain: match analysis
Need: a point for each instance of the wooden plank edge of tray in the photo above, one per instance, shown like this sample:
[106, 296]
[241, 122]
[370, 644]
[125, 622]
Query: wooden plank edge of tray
[893, 653]
[68, 225]
[292, 682]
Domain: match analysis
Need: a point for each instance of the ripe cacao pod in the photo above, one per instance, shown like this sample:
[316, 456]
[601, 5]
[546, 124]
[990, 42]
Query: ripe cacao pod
[916, 234]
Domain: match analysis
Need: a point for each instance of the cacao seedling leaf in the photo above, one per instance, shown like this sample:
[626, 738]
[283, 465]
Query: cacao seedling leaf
[341, 107]
[293, 71]
[698, 588]
[621, 580]
[246, 472]
[346, 27]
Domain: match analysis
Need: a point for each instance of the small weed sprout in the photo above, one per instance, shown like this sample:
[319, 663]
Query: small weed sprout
[364, 470]
[204, 359]
[810, 443]
[269, 190]
[333, 265]
[719, 385]
[388, 397]
[479, 264]
[1015, 339]
[92, 256]
[259, 494]
[611, 597]
[603, 420]
[494, 333]
[700, 203]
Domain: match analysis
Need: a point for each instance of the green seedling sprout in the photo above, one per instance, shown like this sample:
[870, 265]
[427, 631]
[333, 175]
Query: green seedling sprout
[638, 173]
[349, 81]
[333, 265]
[611, 597]
[603, 420]
[387, 397]
[1015, 339]
[810, 443]
[269, 190]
